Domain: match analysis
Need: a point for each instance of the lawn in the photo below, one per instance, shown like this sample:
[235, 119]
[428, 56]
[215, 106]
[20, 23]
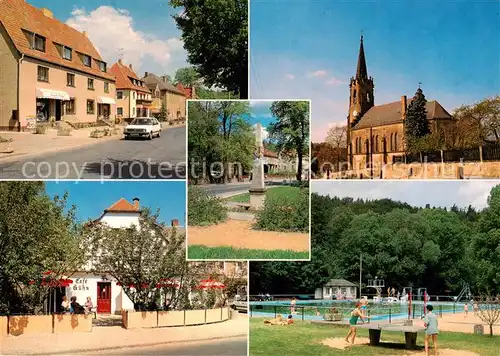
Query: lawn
[278, 191]
[197, 252]
[304, 338]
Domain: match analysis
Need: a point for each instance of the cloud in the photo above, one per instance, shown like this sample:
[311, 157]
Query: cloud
[334, 81]
[318, 74]
[113, 33]
[290, 76]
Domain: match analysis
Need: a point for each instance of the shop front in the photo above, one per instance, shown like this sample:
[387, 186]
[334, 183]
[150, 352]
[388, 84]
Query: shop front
[104, 107]
[49, 104]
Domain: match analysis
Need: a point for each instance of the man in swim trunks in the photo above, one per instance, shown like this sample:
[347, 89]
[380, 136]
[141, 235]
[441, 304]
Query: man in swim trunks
[355, 314]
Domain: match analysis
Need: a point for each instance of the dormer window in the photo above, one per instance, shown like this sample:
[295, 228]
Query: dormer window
[102, 66]
[36, 41]
[86, 60]
[67, 53]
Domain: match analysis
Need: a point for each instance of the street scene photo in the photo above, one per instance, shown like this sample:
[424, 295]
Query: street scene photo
[400, 90]
[397, 268]
[248, 175]
[99, 91]
[100, 267]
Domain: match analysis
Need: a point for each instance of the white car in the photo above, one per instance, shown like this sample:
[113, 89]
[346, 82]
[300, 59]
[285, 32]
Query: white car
[240, 304]
[148, 127]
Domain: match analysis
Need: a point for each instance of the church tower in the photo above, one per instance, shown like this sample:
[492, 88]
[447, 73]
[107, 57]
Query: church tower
[361, 87]
[360, 98]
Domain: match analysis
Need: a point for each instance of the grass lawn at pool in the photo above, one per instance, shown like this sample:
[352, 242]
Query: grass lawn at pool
[278, 191]
[197, 252]
[304, 338]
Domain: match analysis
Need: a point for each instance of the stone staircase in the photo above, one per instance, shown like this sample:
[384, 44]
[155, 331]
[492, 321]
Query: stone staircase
[105, 122]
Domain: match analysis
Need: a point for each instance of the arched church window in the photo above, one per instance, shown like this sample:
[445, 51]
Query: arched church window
[367, 97]
[396, 141]
[376, 144]
[354, 96]
[391, 146]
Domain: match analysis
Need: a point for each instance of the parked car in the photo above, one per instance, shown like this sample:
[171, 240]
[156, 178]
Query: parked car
[240, 304]
[145, 127]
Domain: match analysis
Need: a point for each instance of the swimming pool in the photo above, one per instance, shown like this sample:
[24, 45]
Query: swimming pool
[315, 309]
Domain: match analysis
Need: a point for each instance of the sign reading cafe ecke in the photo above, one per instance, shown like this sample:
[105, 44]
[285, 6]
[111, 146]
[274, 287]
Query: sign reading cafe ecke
[81, 284]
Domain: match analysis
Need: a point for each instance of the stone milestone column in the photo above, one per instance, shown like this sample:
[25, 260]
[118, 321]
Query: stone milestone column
[257, 189]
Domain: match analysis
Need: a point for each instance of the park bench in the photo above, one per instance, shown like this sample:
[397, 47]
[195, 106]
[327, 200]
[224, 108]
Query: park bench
[375, 330]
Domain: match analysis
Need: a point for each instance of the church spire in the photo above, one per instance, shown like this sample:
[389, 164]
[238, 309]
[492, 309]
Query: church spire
[361, 72]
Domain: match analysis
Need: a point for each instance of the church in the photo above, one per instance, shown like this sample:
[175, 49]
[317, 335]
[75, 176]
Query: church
[375, 133]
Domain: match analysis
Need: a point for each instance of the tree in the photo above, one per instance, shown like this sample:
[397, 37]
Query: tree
[39, 240]
[148, 260]
[187, 76]
[162, 116]
[478, 123]
[416, 124]
[337, 138]
[215, 35]
[291, 129]
[489, 311]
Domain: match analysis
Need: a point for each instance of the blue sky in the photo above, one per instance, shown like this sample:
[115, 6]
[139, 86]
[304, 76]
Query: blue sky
[416, 193]
[310, 51]
[143, 33]
[91, 198]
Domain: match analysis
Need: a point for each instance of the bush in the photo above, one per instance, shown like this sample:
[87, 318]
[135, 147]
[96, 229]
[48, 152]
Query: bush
[64, 132]
[97, 133]
[301, 184]
[204, 209]
[41, 129]
[285, 212]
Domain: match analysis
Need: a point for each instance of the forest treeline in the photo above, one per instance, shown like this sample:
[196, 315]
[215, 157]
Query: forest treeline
[434, 248]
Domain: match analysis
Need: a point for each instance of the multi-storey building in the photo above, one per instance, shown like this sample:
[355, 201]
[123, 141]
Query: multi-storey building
[49, 71]
[166, 94]
[133, 97]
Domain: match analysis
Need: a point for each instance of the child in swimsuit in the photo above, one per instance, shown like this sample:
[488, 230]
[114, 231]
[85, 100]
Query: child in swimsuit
[355, 314]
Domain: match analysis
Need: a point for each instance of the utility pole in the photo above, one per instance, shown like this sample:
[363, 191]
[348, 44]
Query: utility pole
[360, 272]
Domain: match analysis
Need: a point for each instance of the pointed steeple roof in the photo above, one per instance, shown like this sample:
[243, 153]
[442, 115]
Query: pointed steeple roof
[361, 72]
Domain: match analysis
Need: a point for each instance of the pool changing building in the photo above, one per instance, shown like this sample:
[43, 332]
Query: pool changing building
[336, 289]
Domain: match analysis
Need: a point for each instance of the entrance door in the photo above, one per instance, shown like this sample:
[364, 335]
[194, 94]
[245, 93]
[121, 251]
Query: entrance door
[58, 109]
[104, 297]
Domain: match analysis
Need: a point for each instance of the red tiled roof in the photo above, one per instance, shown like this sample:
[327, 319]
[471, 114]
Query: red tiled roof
[271, 154]
[188, 92]
[123, 74]
[18, 15]
[122, 206]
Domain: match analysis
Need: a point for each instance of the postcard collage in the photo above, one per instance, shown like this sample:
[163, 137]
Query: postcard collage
[249, 177]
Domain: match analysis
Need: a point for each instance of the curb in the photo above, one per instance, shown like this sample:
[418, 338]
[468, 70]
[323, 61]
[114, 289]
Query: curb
[150, 344]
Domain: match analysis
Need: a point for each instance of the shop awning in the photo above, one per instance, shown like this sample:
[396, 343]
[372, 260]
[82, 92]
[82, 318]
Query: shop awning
[106, 100]
[51, 94]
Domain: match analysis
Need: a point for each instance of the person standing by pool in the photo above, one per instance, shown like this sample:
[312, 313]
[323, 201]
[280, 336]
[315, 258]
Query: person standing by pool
[466, 310]
[364, 307]
[431, 330]
[293, 303]
[355, 314]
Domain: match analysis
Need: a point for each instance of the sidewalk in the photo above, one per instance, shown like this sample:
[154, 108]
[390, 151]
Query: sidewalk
[25, 145]
[115, 337]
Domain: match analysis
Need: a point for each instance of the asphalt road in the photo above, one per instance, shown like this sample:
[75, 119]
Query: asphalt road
[162, 158]
[226, 347]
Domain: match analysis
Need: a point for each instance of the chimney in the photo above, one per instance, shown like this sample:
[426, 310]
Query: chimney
[130, 66]
[146, 74]
[403, 106]
[47, 12]
[136, 202]
[175, 223]
[84, 33]
[120, 61]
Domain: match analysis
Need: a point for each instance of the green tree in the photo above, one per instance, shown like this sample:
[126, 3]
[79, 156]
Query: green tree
[291, 129]
[144, 259]
[478, 123]
[215, 35]
[416, 124]
[162, 116]
[37, 235]
[187, 76]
